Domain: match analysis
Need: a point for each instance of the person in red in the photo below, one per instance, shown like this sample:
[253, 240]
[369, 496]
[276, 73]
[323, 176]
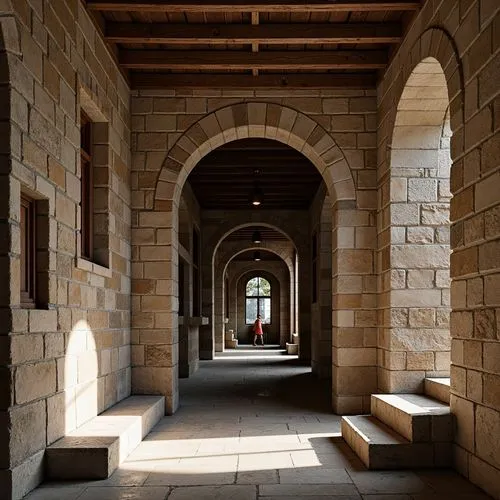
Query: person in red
[257, 330]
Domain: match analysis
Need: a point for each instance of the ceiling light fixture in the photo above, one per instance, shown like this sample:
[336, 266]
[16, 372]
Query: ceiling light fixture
[256, 256]
[256, 238]
[257, 194]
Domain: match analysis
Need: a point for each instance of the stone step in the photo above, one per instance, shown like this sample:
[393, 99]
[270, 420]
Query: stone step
[380, 447]
[94, 450]
[438, 388]
[418, 418]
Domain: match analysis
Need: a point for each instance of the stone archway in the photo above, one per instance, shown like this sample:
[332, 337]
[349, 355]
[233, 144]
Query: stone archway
[415, 203]
[155, 311]
[259, 120]
[227, 256]
[277, 276]
[224, 252]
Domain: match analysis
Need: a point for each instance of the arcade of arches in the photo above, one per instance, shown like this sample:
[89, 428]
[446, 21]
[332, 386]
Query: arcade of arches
[147, 217]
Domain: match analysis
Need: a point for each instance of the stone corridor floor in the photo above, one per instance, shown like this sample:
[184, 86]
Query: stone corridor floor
[255, 424]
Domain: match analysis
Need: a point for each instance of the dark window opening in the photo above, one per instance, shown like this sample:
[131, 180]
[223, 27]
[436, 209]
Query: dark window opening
[28, 252]
[227, 299]
[314, 268]
[181, 288]
[196, 274]
[87, 188]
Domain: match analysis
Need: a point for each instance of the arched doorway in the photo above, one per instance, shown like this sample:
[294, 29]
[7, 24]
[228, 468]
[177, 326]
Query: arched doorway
[352, 380]
[275, 253]
[416, 256]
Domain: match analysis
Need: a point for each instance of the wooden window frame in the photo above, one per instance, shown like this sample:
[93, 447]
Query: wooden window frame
[28, 252]
[86, 189]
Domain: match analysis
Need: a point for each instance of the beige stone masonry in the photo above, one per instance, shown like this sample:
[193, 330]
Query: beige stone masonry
[225, 123]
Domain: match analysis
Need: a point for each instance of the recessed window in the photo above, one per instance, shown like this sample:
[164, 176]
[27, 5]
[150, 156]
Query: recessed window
[258, 300]
[87, 188]
[28, 252]
[314, 267]
[196, 274]
[226, 297]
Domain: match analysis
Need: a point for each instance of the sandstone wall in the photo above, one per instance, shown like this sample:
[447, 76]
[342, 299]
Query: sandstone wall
[67, 359]
[172, 130]
[463, 38]
[321, 309]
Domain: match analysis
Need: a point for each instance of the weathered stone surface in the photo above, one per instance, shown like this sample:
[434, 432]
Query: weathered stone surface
[34, 381]
[27, 431]
[422, 339]
[420, 256]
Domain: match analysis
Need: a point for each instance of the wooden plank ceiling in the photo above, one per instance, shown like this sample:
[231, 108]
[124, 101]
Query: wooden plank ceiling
[225, 179]
[315, 44]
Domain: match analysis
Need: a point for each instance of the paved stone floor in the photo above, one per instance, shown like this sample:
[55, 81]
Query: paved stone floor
[254, 424]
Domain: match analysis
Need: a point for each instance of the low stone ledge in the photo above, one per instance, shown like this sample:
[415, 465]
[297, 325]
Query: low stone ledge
[94, 450]
[438, 388]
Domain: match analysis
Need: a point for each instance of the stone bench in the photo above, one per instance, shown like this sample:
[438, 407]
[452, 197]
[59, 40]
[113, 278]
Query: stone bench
[94, 450]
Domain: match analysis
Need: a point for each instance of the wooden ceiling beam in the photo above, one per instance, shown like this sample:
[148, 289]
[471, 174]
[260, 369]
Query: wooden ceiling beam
[158, 33]
[238, 60]
[246, 6]
[292, 81]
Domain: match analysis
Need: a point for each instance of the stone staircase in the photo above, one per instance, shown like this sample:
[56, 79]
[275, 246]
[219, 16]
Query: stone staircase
[96, 449]
[404, 430]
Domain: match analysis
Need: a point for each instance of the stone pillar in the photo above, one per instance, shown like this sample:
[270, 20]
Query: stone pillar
[155, 334]
[354, 344]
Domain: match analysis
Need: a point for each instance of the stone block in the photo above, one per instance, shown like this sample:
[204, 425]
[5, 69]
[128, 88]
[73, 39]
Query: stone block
[420, 256]
[28, 425]
[438, 388]
[355, 356]
[355, 381]
[21, 479]
[464, 430]
[420, 361]
[33, 381]
[405, 214]
[56, 409]
[380, 447]
[416, 417]
[94, 450]
[26, 348]
[422, 278]
[482, 473]
[491, 390]
[151, 380]
[422, 190]
[412, 298]
[487, 424]
[419, 235]
[406, 381]
[42, 321]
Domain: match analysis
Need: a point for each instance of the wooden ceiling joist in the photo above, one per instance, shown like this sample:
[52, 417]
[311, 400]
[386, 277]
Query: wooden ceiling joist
[238, 60]
[246, 6]
[158, 33]
[145, 81]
